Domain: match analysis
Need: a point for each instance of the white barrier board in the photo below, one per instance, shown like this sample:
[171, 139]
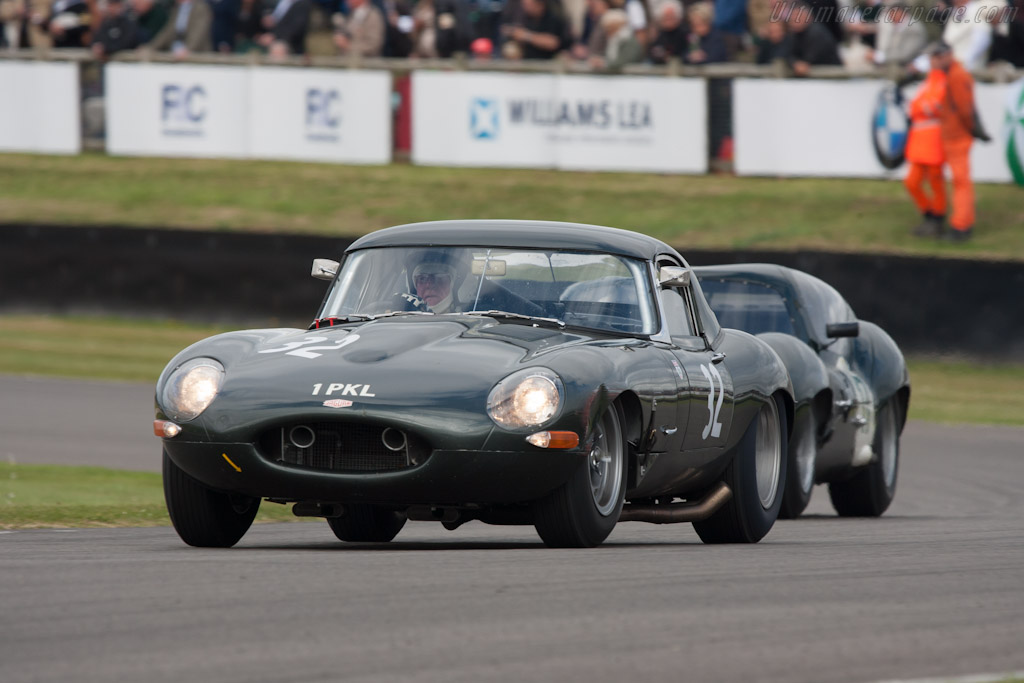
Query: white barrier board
[320, 115]
[40, 107]
[568, 122]
[177, 110]
[823, 128]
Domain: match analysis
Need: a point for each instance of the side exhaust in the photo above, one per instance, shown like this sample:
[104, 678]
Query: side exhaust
[678, 512]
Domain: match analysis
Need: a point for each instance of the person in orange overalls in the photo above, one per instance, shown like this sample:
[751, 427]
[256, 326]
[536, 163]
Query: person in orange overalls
[925, 154]
[957, 125]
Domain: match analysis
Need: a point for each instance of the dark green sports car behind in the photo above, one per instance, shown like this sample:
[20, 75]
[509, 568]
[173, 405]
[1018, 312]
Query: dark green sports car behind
[559, 375]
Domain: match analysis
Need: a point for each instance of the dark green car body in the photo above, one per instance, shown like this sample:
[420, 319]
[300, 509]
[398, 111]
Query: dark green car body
[429, 376]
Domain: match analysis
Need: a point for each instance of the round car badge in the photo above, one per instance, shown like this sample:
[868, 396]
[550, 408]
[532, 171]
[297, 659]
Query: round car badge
[889, 126]
[1015, 131]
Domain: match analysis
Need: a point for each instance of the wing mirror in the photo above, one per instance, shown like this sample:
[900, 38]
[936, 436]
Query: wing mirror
[324, 268]
[834, 330]
[673, 276]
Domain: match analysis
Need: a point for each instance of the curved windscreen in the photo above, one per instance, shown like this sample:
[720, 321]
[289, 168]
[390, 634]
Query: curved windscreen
[599, 291]
[749, 306]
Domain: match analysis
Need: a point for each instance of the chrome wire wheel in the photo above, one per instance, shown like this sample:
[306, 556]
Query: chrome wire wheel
[768, 454]
[888, 444]
[605, 464]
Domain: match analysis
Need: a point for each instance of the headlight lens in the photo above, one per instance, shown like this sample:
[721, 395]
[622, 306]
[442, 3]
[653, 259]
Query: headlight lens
[526, 399]
[191, 388]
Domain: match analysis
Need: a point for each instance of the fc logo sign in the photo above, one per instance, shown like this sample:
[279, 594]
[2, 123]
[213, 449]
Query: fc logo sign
[183, 109]
[181, 105]
[322, 116]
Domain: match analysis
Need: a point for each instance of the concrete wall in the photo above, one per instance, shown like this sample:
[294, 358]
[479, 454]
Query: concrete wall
[969, 307]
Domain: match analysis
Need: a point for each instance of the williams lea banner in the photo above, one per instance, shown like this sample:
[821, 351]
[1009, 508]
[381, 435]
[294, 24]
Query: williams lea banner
[567, 122]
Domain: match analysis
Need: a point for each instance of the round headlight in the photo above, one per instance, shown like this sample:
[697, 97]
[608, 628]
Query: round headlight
[191, 388]
[525, 399]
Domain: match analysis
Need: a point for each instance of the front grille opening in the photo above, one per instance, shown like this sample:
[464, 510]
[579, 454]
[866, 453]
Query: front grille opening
[344, 447]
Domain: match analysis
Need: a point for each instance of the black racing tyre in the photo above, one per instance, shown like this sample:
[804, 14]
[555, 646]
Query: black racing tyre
[757, 477]
[869, 492]
[803, 454]
[367, 524]
[202, 516]
[583, 511]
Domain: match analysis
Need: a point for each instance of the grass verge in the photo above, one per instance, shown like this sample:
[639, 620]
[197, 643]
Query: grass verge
[721, 212]
[59, 496]
[942, 390]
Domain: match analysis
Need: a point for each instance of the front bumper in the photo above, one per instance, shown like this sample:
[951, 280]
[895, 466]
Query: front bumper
[448, 477]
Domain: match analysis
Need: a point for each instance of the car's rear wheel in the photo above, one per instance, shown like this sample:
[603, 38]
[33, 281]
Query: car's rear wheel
[204, 517]
[756, 477]
[367, 524]
[869, 492]
[584, 510]
[803, 453]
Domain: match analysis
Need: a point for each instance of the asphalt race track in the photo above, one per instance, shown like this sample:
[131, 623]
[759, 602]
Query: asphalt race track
[935, 588]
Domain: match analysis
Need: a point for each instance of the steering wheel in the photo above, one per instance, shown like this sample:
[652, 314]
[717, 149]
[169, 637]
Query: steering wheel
[399, 301]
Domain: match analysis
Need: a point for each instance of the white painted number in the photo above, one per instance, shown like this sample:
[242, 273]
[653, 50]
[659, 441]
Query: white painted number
[302, 349]
[713, 427]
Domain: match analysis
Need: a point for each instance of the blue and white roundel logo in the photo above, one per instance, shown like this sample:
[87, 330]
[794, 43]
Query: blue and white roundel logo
[889, 126]
[483, 118]
[1015, 131]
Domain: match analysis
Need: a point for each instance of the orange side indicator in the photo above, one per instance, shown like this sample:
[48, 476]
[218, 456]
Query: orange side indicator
[236, 467]
[165, 429]
[560, 440]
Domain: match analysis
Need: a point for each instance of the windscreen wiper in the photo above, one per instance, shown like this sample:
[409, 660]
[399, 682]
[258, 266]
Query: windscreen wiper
[517, 316]
[332, 320]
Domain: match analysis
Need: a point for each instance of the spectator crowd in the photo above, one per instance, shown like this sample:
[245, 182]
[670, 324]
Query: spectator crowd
[606, 34]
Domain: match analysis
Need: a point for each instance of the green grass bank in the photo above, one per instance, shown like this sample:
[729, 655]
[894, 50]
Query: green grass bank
[712, 212]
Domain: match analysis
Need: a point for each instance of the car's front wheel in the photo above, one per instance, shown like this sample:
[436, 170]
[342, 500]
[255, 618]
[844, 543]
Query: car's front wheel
[367, 524]
[869, 492]
[204, 517]
[584, 510]
[803, 455]
[756, 477]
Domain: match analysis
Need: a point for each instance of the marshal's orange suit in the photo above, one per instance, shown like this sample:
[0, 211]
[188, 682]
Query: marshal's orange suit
[925, 149]
[957, 119]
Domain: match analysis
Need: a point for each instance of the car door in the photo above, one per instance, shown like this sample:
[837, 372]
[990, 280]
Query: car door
[706, 385]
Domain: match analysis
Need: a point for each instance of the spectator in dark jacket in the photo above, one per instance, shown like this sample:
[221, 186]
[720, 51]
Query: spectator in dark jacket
[673, 35]
[225, 23]
[69, 22]
[118, 31]
[542, 32]
[706, 45]
[777, 43]
[813, 44]
[287, 26]
[150, 16]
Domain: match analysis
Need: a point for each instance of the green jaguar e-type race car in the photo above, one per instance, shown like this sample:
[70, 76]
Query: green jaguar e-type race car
[513, 372]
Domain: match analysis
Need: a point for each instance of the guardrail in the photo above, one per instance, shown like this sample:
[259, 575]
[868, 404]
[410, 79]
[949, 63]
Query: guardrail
[995, 73]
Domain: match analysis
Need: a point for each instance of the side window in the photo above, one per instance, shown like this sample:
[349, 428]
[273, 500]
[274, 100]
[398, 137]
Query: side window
[707, 317]
[676, 314]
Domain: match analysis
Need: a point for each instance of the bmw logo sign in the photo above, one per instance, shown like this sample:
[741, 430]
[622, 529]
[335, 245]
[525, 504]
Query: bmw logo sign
[889, 126]
[1015, 131]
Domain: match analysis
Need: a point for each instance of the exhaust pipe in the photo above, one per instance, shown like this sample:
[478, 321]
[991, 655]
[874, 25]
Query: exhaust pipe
[302, 436]
[393, 439]
[678, 512]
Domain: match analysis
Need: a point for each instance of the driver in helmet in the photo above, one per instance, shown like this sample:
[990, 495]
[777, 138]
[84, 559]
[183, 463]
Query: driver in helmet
[435, 276]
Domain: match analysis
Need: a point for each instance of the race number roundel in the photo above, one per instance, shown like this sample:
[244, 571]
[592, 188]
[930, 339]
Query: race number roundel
[1015, 131]
[889, 126]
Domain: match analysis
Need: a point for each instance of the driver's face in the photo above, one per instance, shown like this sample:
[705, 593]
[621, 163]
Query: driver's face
[432, 287]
